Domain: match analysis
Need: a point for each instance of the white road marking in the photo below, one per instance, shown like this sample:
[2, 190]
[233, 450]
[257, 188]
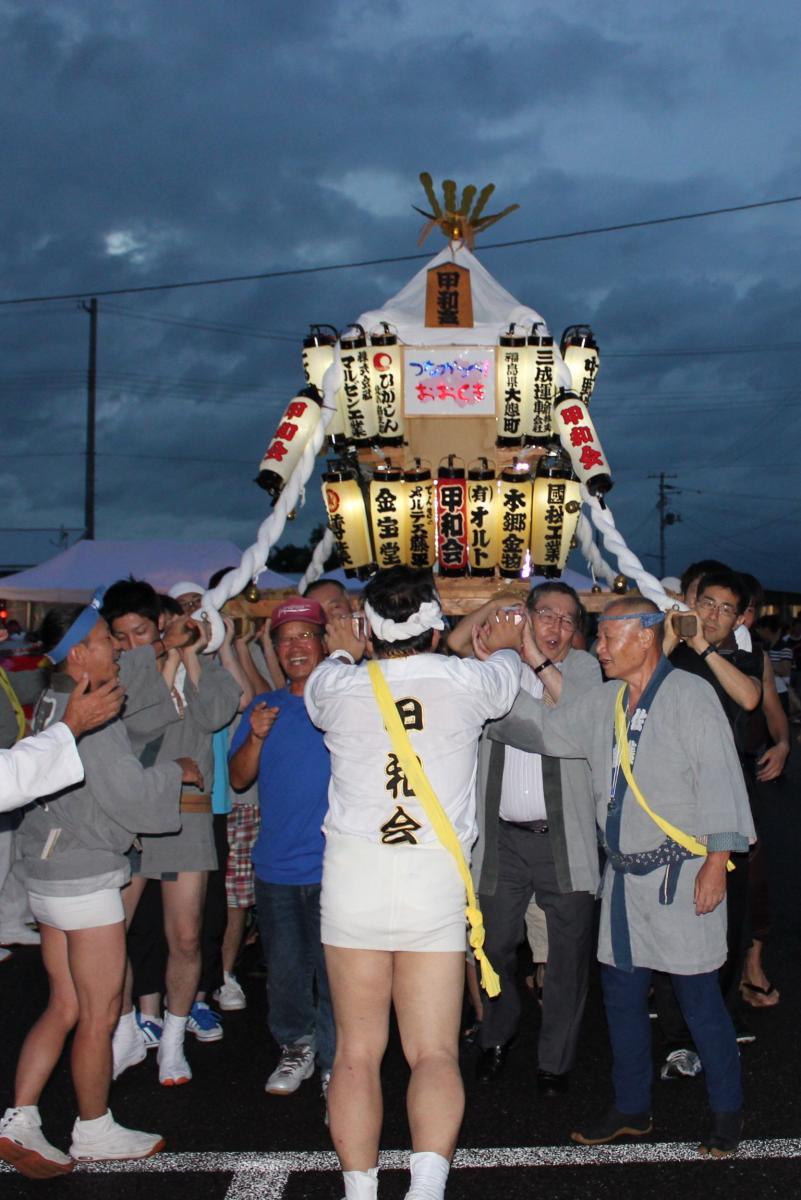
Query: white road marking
[264, 1176]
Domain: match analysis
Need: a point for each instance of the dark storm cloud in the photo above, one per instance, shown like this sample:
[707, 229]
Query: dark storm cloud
[153, 142]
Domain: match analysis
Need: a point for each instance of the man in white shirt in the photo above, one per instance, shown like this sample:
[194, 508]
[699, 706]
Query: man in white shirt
[537, 838]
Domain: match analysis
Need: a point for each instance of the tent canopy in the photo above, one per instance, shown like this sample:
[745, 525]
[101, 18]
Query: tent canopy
[74, 575]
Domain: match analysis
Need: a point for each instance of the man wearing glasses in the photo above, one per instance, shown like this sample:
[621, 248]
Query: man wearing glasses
[537, 838]
[277, 745]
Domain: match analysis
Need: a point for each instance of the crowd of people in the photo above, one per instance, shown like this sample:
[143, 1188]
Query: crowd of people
[393, 800]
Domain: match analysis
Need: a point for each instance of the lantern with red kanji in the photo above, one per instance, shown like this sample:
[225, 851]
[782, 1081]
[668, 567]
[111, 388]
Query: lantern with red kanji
[297, 425]
[576, 432]
[319, 348]
[451, 518]
[347, 520]
[539, 397]
[556, 508]
[483, 506]
[514, 497]
[582, 359]
[420, 550]
[511, 385]
[386, 370]
[388, 515]
[361, 414]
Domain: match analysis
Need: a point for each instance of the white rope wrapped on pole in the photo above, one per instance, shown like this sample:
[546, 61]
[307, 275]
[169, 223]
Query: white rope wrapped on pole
[254, 559]
[599, 567]
[322, 552]
[648, 585]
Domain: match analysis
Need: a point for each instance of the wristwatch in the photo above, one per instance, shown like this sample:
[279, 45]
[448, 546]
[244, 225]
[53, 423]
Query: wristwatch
[709, 650]
[545, 663]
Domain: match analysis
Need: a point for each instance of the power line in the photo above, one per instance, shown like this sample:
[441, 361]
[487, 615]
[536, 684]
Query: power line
[380, 262]
[189, 323]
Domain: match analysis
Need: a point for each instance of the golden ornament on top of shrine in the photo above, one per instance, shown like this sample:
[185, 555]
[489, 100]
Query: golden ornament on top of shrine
[460, 223]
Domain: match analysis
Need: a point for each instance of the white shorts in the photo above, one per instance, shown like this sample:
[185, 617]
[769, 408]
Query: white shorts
[377, 897]
[89, 911]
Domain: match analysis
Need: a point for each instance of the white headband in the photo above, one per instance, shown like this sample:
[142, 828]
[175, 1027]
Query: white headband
[186, 588]
[428, 616]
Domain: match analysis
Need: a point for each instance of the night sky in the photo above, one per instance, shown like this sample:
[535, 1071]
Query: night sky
[148, 142]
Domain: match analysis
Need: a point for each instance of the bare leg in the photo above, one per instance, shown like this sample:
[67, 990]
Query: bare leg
[766, 996]
[361, 986]
[232, 941]
[473, 990]
[427, 994]
[183, 912]
[42, 1047]
[131, 895]
[97, 966]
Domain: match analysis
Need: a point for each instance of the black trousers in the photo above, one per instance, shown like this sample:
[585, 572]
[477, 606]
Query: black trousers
[525, 869]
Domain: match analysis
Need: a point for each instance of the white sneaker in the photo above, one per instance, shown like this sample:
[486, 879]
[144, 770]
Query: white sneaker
[103, 1139]
[23, 935]
[23, 1144]
[230, 996]
[128, 1045]
[295, 1064]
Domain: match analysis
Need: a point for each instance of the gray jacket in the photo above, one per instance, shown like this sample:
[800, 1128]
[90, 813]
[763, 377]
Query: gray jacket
[84, 831]
[567, 785]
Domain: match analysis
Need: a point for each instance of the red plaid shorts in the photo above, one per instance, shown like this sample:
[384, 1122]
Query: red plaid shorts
[243, 829]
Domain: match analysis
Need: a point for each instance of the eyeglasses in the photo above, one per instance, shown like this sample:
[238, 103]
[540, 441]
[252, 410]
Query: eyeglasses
[296, 637]
[548, 614]
[709, 606]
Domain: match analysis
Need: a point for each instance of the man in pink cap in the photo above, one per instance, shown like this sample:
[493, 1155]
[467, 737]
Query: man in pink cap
[277, 745]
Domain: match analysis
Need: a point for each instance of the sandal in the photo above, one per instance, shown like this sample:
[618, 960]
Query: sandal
[759, 997]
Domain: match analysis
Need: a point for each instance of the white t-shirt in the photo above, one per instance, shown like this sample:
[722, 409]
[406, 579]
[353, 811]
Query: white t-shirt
[443, 703]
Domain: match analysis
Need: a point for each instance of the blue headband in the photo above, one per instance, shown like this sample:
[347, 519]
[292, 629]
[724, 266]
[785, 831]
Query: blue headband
[80, 628]
[647, 619]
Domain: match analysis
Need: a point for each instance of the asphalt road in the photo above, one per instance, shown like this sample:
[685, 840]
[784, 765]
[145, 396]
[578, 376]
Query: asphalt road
[227, 1140]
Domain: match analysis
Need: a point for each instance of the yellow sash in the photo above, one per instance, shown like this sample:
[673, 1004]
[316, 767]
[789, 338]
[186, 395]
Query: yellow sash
[5, 686]
[686, 840]
[439, 819]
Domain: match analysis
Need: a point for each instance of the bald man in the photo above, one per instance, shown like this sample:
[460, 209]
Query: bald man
[656, 739]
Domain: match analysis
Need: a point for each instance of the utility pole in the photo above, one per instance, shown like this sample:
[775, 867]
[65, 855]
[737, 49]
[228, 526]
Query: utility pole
[665, 516]
[91, 394]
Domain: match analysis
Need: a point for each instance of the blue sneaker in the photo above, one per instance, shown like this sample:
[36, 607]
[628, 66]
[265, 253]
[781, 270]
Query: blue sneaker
[204, 1023]
[152, 1029]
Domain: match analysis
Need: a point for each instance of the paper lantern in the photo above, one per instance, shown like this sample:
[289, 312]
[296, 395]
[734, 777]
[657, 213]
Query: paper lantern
[389, 516]
[347, 520]
[361, 414]
[514, 497]
[483, 509]
[511, 367]
[451, 518]
[576, 432]
[319, 348]
[556, 508]
[421, 548]
[386, 370]
[540, 377]
[301, 418]
[580, 352]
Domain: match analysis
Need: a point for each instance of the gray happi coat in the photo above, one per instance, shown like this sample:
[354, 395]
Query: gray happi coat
[687, 768]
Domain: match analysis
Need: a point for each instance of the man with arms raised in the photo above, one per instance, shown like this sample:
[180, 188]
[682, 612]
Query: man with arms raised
[671, 805]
